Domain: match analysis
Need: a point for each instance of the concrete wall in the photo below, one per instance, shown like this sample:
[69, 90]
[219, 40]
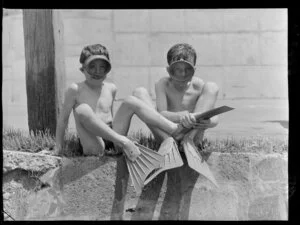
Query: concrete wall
[253, 186]
[243, 50]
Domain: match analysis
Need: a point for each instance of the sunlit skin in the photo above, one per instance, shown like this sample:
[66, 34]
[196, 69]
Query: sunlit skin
[177, 97]
[98, 95]
[95, 72]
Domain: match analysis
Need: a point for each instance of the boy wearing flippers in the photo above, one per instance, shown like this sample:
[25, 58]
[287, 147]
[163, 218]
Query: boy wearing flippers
[92, 102]
[178, 97]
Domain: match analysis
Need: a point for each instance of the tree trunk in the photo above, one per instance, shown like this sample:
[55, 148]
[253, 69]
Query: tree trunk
[45, 68]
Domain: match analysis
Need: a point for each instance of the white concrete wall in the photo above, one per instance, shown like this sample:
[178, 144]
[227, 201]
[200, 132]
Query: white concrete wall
[243, 50]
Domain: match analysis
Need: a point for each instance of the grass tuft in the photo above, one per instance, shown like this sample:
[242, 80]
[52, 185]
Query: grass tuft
[18, 140]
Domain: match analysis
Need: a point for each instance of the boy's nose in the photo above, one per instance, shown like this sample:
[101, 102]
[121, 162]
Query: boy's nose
[98, 69]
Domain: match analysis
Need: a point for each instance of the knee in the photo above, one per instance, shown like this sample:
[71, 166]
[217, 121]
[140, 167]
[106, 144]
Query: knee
[83, 111]
[211, 88]
[140, 92]
[130, 102]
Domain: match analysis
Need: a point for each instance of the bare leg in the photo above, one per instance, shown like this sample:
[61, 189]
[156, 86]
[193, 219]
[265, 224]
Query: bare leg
[132, 105]
[95, 126]
[142, 94]
[188, 176]
[121, 125]
[148, 199]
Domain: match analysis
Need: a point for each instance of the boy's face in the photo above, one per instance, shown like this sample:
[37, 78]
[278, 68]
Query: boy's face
[96, 69]
[181, 72]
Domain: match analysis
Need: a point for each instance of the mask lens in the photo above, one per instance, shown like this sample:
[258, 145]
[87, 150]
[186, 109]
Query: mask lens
[96, 68]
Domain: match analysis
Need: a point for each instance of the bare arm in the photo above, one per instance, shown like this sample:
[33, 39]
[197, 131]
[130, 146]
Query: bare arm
[206, 102]
[69, 102]
[114, 93]
[161, 103]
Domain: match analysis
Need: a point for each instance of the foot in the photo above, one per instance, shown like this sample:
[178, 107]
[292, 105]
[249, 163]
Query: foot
[180, 132]
[130, 149]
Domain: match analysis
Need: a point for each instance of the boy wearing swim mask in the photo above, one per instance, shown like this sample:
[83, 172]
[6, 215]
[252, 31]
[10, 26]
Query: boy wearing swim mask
[92, 102]
[178, 97]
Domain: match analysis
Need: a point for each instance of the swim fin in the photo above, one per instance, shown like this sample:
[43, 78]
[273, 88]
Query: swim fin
[142, 166]
[195, 161]
[172, 158]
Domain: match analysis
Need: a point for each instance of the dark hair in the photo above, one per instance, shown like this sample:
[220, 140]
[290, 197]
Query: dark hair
[95, 49]
[182, 51]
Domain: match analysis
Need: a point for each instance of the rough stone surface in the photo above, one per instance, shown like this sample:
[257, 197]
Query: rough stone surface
[233, 167]
[271, 168]
[82, 188]
[268, 208]
[28, 161]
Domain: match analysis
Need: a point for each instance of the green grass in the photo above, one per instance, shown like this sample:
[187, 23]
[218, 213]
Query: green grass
[18, 140]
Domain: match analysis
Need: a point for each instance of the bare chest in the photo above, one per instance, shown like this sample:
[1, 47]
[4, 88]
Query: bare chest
[182, 100]
[100, 101]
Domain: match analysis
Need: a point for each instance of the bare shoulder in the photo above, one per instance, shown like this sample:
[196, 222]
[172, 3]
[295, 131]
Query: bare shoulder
[74, 87]
[163, 82]
[211, 86]
[197, 83]
[111, 86]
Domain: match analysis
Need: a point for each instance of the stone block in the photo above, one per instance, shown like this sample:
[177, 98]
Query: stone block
[233, 167]
[268, 208]
[208, 48]
[273, 47]
[6, 29]
[8, 56]
[7, 73]
[241, 49]
[131, 20]
[72, 65]
[99, 14]
[273, 19]
[156, 73]
[203, 20]
[19, 69]
[212, 74]
[275, 80]
[167, 20]
[17, 37]
[19, 94]
[129, 78]
[241, 19]
[160, 43]
[29, 161]
[81, 31]
[243, 82]
[15, 115]
[220, 204]
[7, 92]
[271, 168]
[132, 49]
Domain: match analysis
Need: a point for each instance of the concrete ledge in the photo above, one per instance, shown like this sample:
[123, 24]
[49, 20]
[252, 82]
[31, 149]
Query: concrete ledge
[252, 187]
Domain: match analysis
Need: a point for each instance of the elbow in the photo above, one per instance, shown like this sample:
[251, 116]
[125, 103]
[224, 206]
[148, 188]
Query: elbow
[215, 121]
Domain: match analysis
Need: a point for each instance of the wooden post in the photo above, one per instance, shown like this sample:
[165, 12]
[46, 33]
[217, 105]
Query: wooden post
[45, 68]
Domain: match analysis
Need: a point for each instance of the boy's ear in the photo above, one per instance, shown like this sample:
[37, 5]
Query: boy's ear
[168, 70]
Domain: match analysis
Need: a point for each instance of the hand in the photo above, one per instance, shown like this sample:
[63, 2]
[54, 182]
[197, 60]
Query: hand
[203, 124]
[187, 120]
